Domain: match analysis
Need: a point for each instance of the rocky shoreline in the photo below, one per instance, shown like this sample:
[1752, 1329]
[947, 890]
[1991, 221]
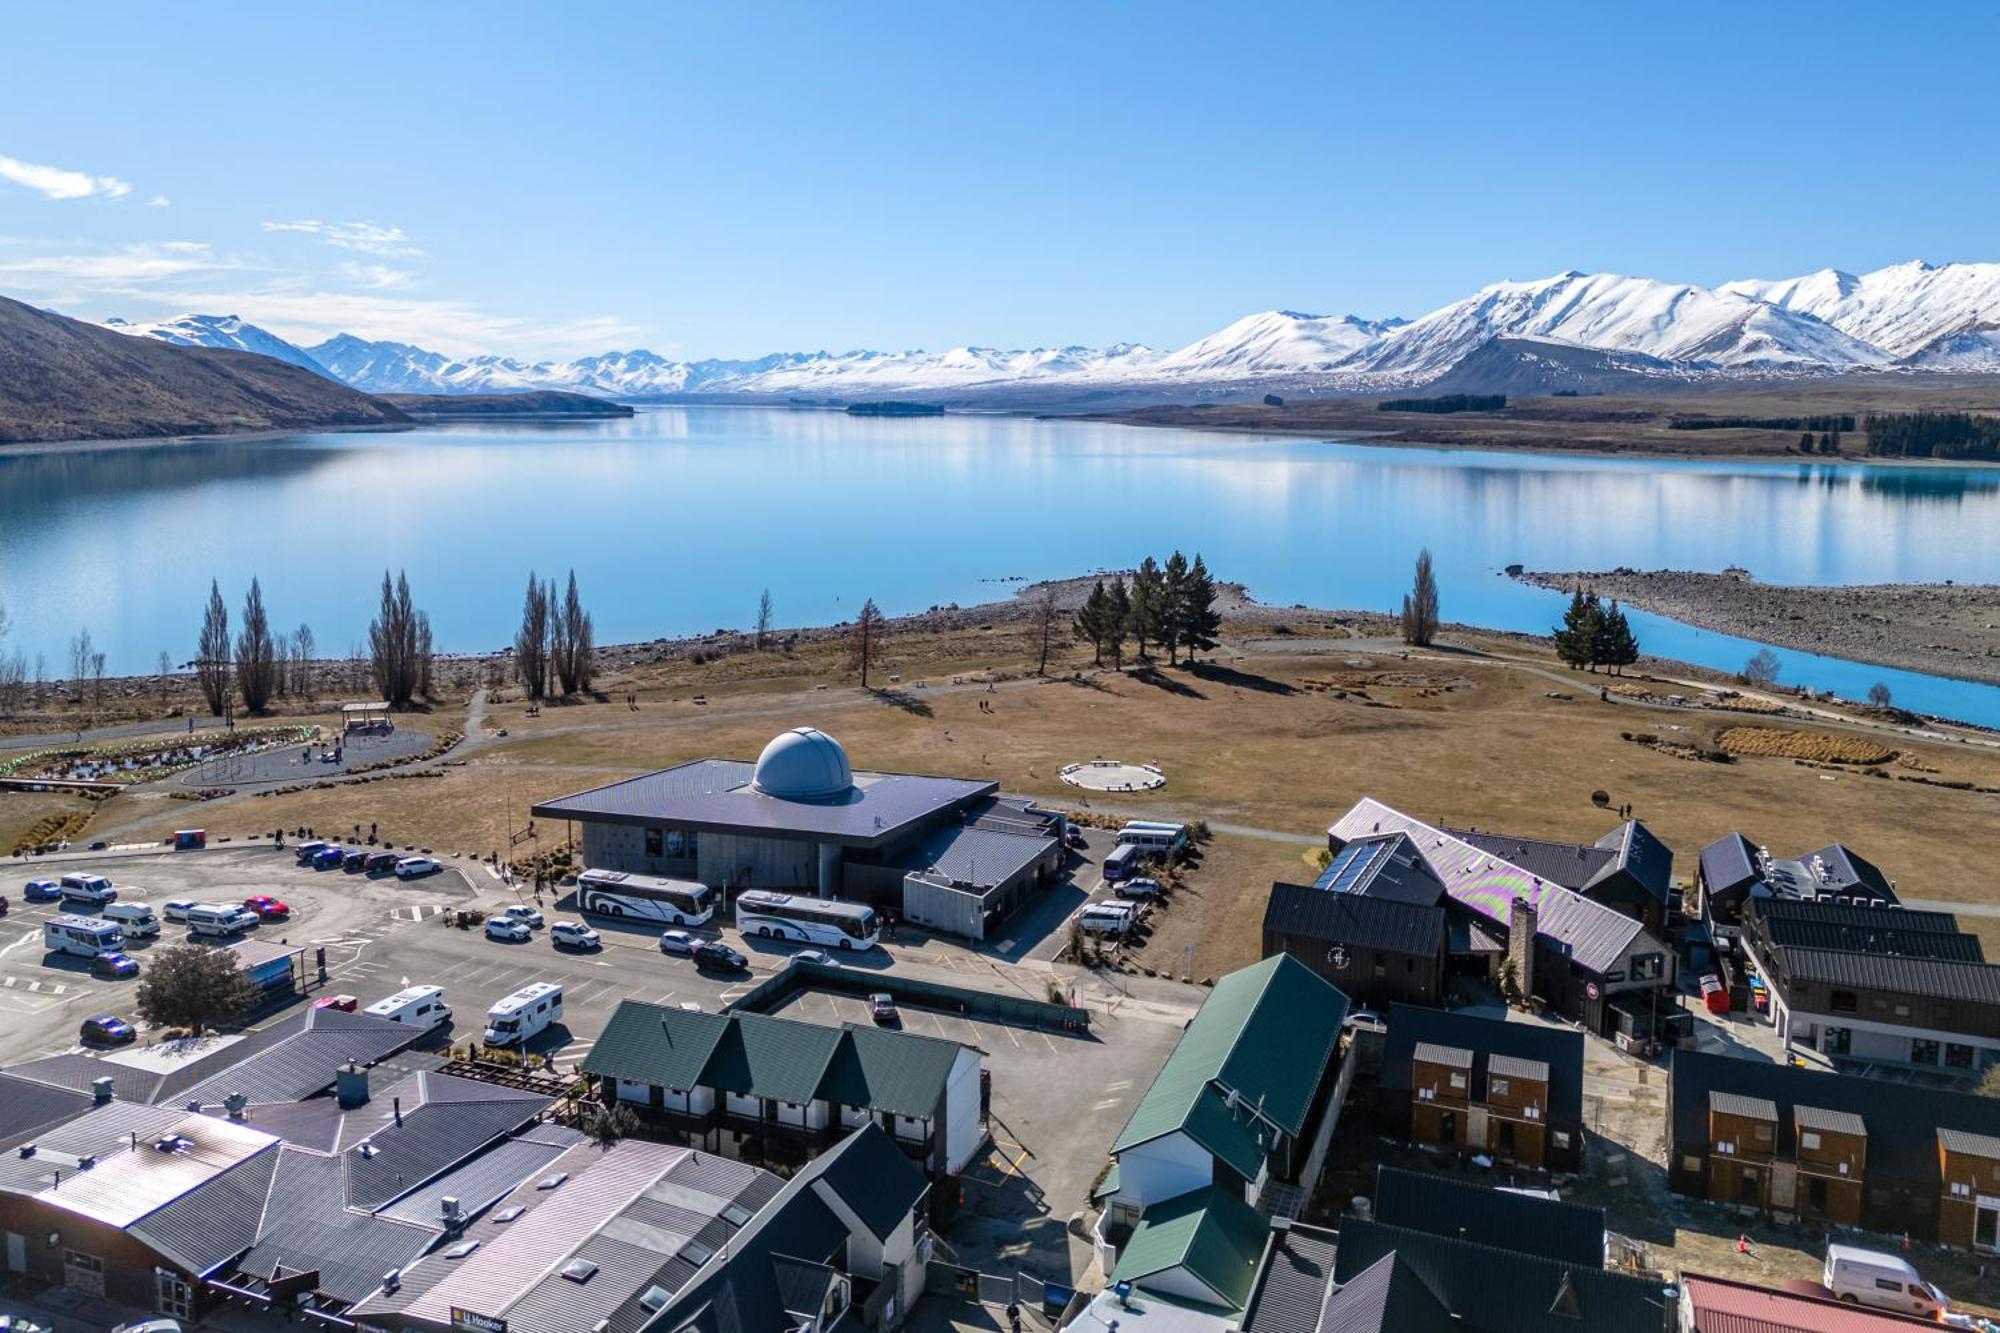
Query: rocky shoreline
[1943, 629]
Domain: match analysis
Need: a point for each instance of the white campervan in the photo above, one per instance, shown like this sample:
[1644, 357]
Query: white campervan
[523, 1014]
[137, 919]
[219, 920]
[1108, 918]
[1885, 1281]
[94, 890]
[419, 1006]
[84, 936]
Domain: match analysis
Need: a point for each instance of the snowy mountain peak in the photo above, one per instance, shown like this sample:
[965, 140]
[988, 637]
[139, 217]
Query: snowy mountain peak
[225, 331]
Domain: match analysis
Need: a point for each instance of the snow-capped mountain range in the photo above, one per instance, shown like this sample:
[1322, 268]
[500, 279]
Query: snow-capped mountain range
[1913, 316]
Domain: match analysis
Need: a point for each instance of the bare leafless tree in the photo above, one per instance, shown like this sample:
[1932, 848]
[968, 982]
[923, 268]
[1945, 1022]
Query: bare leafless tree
[303, 650]
[256, 653]
[393, 641]
[763, 619]
[1048, 621]
[80, 650]
[531, 641]
[165, 673]
[211, 659]
[864, 644]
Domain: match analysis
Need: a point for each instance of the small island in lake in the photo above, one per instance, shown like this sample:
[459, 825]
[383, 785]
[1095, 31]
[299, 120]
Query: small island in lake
[895, 409]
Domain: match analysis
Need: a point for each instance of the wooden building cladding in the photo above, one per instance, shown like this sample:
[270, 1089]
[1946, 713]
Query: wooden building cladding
[1969, 1191]
[1507, 1120]
[1822, 1179]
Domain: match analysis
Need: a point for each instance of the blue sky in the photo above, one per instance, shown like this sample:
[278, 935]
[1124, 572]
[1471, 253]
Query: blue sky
[743, 178]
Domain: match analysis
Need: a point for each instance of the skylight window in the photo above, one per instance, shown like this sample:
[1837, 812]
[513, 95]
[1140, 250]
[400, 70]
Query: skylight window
[551, 1182]
[460, 1250]
[579, 1270]
[509, 1214]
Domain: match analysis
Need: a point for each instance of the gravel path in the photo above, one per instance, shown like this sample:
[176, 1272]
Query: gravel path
[1942, 629]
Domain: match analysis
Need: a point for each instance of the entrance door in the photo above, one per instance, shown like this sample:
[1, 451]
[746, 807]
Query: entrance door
[175, 1297]
[1986, 1225]
[1475, 1129]
[1505, 1145]
[1816, 1195]
[1448, 1128]
[1749, 1186]
[17, 1252]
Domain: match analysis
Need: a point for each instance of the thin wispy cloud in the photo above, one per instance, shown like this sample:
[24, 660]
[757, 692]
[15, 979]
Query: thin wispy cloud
[367, 237]
[158, 201]
[143, 262]
[61, 182]
[378, 277]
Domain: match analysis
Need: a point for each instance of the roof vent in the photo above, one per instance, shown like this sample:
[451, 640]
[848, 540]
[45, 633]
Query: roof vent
[27, 1150]
[448, 1206]
[195, 1106]
[392, 1280]
[102, 1088]
[234, 1103]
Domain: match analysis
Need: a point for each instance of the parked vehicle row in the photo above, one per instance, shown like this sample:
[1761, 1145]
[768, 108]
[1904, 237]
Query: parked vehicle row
[322, 855]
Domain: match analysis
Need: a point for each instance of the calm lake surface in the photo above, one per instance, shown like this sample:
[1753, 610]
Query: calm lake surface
[676, 519]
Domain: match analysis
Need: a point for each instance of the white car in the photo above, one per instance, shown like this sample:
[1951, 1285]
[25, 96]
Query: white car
[412, 866]
[506, 928]
[575, 934]
[527, 916]
[820, 956]
[677, 942]
[1138, 888]
[177, 909]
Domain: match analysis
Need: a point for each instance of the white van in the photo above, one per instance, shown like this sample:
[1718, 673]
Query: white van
[1885, 1281]
[95, 890]
[1108, 918]
[84, 936]
[1165, 840]
[219, 920]
[523, 1014]
[137, 919]
[419, 1006]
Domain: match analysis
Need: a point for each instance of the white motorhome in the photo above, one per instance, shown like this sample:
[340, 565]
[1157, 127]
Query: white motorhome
[95, 890]
[523, 1014]
[419, 1006]
[84, 936]
[137, 919]
[1884, 1281]
[219, 920]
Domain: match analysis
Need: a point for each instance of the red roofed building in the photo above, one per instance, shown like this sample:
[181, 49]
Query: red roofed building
[1719, 1305]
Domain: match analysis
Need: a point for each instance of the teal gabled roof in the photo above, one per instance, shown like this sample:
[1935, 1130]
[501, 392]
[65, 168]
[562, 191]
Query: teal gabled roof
[1266, 1033]
[787, 1059]
[1211, 1233]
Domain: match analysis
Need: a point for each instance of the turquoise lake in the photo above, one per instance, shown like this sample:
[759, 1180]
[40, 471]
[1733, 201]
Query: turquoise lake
[676, 519]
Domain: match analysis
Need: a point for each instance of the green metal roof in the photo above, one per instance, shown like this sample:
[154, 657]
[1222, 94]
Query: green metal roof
[1212, 1233]
[761, 1055]
[1266, 1032]
[649, 1043]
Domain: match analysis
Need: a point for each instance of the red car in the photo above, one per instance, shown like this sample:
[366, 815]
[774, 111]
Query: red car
[1714, 994]
[344, 1003]
[267, 907]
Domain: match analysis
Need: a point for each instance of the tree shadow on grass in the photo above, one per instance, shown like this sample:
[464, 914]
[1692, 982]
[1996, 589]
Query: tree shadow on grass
[1160, 680]
[906, 701]
[1247, 680]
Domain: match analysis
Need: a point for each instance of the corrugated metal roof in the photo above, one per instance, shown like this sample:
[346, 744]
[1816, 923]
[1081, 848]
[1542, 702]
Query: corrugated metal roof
[716, 794]
[78, 1072]
[1833, 1122]
[1386, 1297]
[1431, 1053]
[1211, 1234]
[1728, 863]
[138, 1176]
[981, 857]
[1293, 1284]
[1388, 866]
[1885, 915]
[1475, 1212]
[28, 1106]
[218, 1220]
[1934, 978]
[1360, 920]
[1965, 1141]
[1570, 864]
[449, 1127]
[1736, 1103]
[1719, 1305]
[1513, 1066]
[295, 1062]
[1595, 936]
[1266, 1032]
[765, 1055]
[308, 1226]
[478, 1183]
[1885, 934]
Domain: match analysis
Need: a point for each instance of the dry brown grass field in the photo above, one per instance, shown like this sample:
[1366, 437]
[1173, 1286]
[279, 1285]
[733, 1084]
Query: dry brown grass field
[1267, 748]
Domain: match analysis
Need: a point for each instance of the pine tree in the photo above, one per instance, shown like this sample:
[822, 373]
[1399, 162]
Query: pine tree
[1149, 595]
[1090, 622]
[1617, 648]
[1173, 605]
[1576, 637]
[1118, 622]
[1805, 442]
[1203, 622]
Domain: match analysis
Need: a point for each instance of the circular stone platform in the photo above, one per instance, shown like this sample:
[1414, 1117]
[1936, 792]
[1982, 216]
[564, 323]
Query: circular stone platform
[1114, 775]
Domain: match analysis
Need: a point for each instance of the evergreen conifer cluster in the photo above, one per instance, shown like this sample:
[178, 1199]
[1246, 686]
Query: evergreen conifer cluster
[1594, 635]
[1170, 606]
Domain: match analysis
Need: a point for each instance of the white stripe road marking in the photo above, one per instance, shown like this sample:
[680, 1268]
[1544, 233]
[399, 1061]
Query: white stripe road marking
[1045, 1038]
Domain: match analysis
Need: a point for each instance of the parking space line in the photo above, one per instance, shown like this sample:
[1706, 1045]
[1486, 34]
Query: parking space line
[1045, 1039]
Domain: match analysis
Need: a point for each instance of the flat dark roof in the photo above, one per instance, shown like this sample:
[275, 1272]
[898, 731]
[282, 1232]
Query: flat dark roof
[715, 796]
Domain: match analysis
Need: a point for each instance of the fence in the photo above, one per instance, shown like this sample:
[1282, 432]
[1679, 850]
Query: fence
[1020, 1009]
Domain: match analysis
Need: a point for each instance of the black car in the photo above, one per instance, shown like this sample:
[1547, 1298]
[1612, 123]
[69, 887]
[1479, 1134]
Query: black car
[708, 953]
[355, 863]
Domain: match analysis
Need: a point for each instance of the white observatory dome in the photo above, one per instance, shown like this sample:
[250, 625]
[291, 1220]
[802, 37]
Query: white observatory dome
[803, 764]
